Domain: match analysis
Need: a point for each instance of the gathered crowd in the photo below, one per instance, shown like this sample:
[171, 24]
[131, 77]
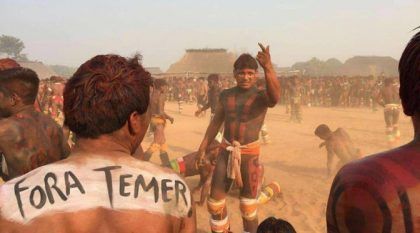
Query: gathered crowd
[72, 162]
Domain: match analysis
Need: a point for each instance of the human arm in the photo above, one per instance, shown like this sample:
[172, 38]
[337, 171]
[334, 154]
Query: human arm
[162, 100]
[379, 99]
[11, 159]
[2, 175]
[204, 108]
[273, 85]
[212, 131]
[330, 156]
[64, 142]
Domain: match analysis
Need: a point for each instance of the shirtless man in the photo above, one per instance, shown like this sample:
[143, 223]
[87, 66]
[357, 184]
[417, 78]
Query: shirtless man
[213, 82]
[337, 143]
[295, 100]
[28, 139]
[242, 109]
[101, 187]
[380, 193]
[389, 99]
[5, 63]
[213, 95]
[201, 96]
[158, 122]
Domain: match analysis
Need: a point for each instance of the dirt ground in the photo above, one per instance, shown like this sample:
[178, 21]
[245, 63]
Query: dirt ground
[293, 159]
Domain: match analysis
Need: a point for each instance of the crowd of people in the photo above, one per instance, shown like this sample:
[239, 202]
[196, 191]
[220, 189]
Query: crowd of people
[72, 161]
[297, 92]
[335, 91]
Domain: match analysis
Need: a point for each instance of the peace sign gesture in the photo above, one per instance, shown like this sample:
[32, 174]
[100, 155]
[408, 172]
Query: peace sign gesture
[263, 57]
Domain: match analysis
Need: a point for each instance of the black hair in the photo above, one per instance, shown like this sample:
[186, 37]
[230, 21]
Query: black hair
[245, 61]
[274, 225]
[409, 68]
[22, 81]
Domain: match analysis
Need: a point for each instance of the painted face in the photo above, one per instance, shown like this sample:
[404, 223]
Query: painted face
[246, 78]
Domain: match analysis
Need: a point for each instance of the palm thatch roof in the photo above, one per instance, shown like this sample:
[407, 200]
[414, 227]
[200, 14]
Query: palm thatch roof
[154, 70]
[204, 61]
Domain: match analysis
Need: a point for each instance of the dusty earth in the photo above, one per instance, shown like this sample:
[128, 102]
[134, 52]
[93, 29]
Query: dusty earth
[293, 159]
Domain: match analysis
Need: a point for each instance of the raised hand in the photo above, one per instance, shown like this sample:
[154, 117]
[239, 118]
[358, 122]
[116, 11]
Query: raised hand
[264, 57]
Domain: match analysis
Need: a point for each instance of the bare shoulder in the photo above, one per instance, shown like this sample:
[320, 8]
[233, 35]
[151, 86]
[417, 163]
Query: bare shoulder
[9, 127]
[363, 194]
[48, 122]
[341, 130]
[382, 168]
[228, 91]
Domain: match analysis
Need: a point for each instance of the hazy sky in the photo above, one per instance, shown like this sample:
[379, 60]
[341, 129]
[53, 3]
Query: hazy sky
[70, 32]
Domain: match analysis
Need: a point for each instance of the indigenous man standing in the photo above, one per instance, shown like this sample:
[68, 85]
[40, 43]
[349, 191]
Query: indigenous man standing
[295, 100]
[213, 82]
[380, 193]
[338, 143]
[242, 109]
[389, 99]
[213, 95]
[158, 122]
[28, 139]
[101, 187]
[202, 91]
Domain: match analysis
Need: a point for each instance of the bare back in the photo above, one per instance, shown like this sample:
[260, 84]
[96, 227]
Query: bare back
[342, 146]
[155, 102]
[390, 95]
[29, 140]
[91, 193]
[377, 194]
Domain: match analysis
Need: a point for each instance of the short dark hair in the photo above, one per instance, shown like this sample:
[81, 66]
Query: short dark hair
[274, 225]
[409, 69]
[322, 129]
[56, 79]
[245, 61]
[22, 81]
[158, 83]
[213, 77]
[104, 91]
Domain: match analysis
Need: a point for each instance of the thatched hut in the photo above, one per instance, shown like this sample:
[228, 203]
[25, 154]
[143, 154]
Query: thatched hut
[204, 61]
